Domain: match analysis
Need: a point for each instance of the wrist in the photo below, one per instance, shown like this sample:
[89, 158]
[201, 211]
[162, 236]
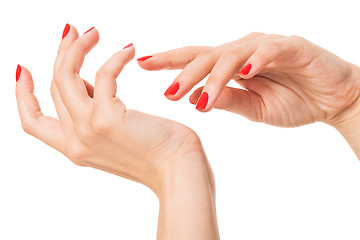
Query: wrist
[189, 163]
[187, 199]
[347, 122]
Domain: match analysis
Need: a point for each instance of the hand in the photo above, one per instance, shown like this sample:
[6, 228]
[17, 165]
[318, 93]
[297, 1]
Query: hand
[286, 81]
[95, 129]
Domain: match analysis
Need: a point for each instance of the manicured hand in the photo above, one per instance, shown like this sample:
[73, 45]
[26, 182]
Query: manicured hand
[95, 129]
[285, 81]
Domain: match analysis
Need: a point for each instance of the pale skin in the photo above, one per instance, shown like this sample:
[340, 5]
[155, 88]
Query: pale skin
[95, 129]
[292, 82]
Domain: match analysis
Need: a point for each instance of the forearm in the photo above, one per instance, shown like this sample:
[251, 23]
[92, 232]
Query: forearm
[187, 204]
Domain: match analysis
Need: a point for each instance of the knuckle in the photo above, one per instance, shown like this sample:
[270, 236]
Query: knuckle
[272, 44]
[85, 133]
[296, 38]
[27, 126]
[268, 46]
[102, 73]
[274, 36]
[255, 34]
[77, 153]
[100, 124]
[230, 52]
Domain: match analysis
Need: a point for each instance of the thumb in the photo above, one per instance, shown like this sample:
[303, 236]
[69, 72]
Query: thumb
[44, 128]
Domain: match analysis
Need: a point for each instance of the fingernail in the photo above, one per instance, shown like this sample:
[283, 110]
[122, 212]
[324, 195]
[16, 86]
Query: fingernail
[245, 69]
[144, 58]
[190, 100]
[201, 104]
[18, 72]
[129, 45]
[89, 30]
[66, 30]
[172, 90]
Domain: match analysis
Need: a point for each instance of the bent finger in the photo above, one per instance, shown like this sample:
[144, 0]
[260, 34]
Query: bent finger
[71, 87]
[223, 71]
[70, 35]
[192, 74]
[105, 82]
[268, 52]
[239, 101]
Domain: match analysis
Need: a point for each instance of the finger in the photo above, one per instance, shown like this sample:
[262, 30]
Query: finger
[172, 59]
[71, 87]
[192, 74]
[223, 71]
[64, 116]
[75, 54]
[34, 122]
[105, 82]
[239, 101]
[70, 34]
[270, 51]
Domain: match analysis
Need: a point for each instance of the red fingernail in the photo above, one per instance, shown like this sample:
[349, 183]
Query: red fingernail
[190, 100]
[172, 90]
[245, 69]
[144, 58]
[201, 104]
[18, 72]
[66, 30]
[129, 45]
[89, 30]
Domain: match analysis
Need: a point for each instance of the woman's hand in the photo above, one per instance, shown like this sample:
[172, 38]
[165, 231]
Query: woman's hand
[286, 81]
[95, 129]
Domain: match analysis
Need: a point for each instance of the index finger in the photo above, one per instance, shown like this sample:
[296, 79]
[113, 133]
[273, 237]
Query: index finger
[173, 59]
[71, 87]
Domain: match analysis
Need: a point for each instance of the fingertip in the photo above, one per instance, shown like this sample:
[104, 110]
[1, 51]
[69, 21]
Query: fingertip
[146, 64]
[70, 33]
[202, 103]
[18, 72]
[24, 83]
[191, 100]
[22, 74]
[129, 49]
[92, 34]
[129, 46]
[66, 30]
[144, 58]
[245, 70]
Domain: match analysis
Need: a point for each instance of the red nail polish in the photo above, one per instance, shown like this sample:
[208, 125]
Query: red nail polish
[203, 100]
[144, 58]
[245, 69]
[89, 30]
[129, 45]
[66, 30]
[172, 90]
[18, 72]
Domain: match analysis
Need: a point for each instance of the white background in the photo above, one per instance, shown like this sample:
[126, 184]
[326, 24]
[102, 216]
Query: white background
[272, 183]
